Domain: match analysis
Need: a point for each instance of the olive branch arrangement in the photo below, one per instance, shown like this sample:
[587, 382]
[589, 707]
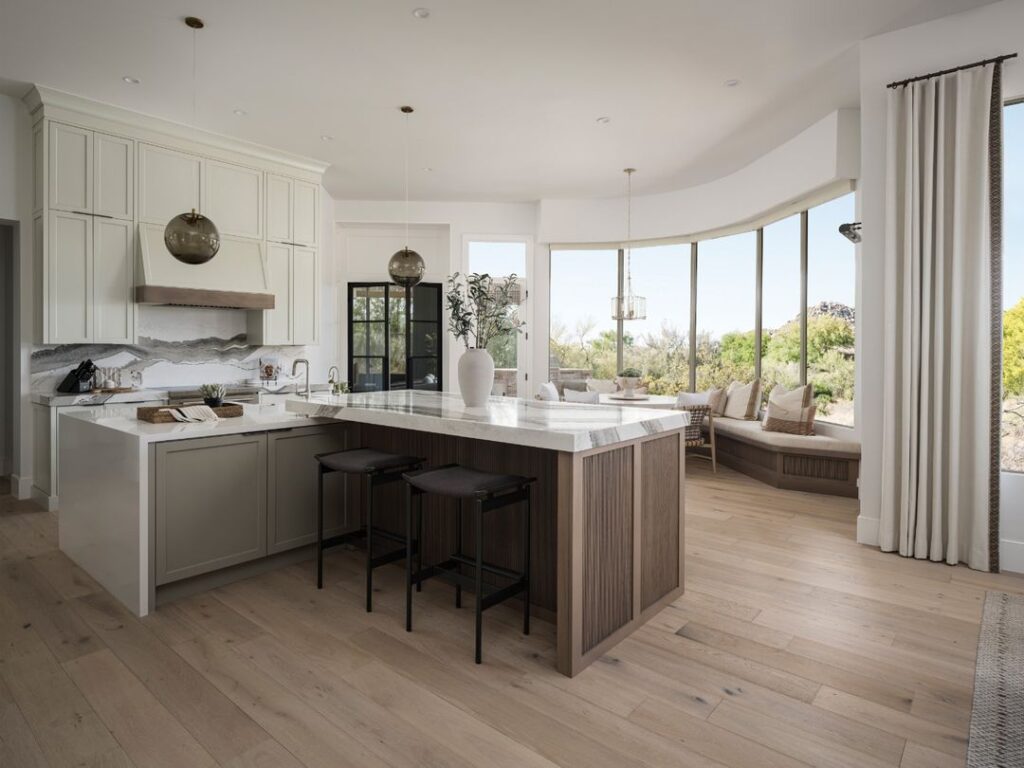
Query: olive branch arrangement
[481, 309]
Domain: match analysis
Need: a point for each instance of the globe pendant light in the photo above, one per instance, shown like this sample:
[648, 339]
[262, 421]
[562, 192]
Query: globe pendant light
[192, 238]
[406, 267]
[629, 306]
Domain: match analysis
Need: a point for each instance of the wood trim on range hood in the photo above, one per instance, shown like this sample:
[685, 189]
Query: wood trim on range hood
[198, 297]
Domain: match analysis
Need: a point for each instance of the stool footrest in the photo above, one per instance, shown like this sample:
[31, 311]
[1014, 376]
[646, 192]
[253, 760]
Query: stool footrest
[360, 533]
[497, 570]
[447, 571]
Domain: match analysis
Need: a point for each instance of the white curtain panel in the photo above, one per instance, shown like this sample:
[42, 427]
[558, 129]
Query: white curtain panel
[941, 295]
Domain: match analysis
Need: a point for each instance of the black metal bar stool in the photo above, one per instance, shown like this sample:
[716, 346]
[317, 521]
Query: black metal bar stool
[379, 468]
[489, 492]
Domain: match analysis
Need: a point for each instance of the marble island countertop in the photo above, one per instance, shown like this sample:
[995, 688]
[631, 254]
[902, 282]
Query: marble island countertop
[570, 427]
[255, 418]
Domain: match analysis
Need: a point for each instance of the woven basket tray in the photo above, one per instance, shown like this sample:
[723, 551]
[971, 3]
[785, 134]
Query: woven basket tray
[158, 414]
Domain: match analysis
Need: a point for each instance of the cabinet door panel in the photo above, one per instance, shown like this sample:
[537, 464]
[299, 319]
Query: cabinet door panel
[278, 321]
[305, 297]
[38, 181]
[305, 214]
[234, 199]
[70, 277]
[168, 183]
[70, 168]
[210, 504]
[113, 281]
[279, 208]
[292, 486]
[42, 474]
[114, 173]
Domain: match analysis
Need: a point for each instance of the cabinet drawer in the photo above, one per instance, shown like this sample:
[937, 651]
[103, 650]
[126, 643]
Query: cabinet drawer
[210, 504]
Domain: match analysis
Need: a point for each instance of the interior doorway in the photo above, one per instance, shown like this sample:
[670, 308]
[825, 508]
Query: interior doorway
[8, 296]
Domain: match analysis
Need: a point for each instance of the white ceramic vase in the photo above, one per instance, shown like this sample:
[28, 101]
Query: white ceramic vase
[628, 384]
[476, 377]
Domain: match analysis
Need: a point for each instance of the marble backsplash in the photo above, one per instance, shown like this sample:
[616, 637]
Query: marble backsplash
[177, 346]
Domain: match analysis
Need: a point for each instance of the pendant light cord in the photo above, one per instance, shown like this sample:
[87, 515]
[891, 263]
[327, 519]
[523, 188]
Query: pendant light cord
[193, 77]
[407, 181]
[629, 231]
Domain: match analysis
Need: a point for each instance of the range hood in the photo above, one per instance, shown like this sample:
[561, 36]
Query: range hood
[236, 278]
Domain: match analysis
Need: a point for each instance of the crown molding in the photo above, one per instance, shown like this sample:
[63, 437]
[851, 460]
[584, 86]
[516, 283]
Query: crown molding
[43, 101]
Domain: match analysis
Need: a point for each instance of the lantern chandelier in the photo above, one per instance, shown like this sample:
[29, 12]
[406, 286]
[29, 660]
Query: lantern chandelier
[627, 305]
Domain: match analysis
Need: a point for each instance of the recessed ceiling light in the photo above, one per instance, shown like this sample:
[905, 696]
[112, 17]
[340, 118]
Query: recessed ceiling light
[603, 120]
[421, 13]
[240, 112]
[325, 137]
[731, 82]
[131, 80]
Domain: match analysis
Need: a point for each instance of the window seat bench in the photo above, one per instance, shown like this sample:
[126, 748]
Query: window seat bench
[815, 463]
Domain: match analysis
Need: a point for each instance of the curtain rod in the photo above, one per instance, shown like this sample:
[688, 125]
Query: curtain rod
[930, 75]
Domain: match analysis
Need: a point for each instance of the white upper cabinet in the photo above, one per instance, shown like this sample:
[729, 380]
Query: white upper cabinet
[305, 297]
[69, 277]
[277, 322]
[114, 176]
[113, 283]
[233, 198]
[70, 182]
[305, 213]
[169, 183]
[292, 211]
[279, 208]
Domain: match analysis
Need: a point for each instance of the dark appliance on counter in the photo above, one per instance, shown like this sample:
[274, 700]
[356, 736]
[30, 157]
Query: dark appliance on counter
[79, 380]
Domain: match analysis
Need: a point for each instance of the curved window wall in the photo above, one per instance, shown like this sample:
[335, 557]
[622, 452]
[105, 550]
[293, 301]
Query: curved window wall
[777, 302]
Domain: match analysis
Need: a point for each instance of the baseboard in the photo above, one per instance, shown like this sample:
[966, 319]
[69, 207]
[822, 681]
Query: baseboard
[49, 503]
[1011, 555]
[867, 530]
[21, 487]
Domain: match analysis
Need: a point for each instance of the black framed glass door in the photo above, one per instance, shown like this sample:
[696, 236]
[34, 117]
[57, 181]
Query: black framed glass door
[394, 337]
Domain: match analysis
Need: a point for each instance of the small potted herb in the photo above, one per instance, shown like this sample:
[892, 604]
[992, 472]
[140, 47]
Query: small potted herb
[629, 378]
[213, 394]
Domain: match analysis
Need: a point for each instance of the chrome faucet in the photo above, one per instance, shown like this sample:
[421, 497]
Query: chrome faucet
[295, 368]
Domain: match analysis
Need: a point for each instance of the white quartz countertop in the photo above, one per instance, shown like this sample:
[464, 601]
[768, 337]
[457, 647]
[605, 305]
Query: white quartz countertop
[557, 426]
[255, 418]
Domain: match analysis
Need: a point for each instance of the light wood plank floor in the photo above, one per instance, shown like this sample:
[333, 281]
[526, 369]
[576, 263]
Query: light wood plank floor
[793, 646]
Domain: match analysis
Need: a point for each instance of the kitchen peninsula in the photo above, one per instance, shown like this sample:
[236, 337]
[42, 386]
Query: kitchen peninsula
[149, 508]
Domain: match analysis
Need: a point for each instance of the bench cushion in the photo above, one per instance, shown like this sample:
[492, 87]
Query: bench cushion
[752, 432]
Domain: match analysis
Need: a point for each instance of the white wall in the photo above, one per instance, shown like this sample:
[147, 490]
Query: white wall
[816, 160]
[16, 206]
[437, 228]
[982, 33]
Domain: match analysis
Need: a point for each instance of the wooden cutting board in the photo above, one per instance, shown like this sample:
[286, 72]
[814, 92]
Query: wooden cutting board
[158, 414]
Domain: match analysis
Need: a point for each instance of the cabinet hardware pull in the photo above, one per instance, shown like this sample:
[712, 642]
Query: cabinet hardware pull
[103, 215]
[82, 213]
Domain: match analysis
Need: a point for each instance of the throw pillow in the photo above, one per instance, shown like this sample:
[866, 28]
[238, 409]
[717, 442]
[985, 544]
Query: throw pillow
[716, 399]
[798, 397]
[792, 421]
[684, 399]
[742, 399]
[572, 396]
[548, 391]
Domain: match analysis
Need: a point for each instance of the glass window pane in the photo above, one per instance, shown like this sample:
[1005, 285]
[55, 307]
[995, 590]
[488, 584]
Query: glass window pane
[780, 305]
[424, 302]
[1013, 289]
[396, 335]
[582, 334]
[358, 339]
[367, 374]
[377, 301]
[358, 303]
[726, 287]
[831, 281]
[376, 345]
[424, 373]
[659, 346]
[501, 260]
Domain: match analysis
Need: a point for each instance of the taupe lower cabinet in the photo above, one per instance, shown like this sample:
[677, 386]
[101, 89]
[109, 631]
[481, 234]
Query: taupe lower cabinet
[291, 486]
[210, 505]
[221, 501]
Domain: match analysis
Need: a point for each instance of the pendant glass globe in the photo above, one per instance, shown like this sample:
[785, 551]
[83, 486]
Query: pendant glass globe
[406, 268]
[192, 238]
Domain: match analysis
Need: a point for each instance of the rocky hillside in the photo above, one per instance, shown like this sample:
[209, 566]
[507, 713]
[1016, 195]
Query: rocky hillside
[832, 309]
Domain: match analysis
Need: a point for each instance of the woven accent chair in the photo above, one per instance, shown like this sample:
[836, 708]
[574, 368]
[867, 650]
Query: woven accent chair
[693, 435]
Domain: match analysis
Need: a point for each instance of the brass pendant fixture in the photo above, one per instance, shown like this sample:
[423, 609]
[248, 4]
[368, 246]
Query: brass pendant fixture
[406, 267]
[627, 305]
[192, 238]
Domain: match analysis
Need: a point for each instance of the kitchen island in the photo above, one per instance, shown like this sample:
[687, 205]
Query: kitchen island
[607, 547]
[156, 510]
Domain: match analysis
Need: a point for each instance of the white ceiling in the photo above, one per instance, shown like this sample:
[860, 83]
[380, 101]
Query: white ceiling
[507, 92]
